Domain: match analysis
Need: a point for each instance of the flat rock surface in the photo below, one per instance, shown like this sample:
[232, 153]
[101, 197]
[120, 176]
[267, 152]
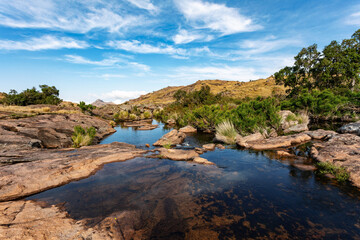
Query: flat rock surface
[278, 142]
[209, 147]
[49, 131]
[342, 150]
[178, 154]
[49, 168]
[201, 160]
[173, 137]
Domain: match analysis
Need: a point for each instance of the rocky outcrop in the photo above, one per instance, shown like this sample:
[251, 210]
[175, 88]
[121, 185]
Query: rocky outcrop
[49, 168]
[242, 141]
[278, 142]
[353, 128]
[178, 154]
[201, 160]
[209, 147]
[49, 131]
[148, 127]
[342, 150]
[293, 123]
[173, 137]
[140, 123]
[188, 129]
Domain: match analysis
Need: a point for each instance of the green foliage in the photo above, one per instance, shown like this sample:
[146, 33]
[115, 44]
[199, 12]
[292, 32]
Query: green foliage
[86, 107]
[83, 137]
[167, 146]
[337, 66]
[133, 117]
[147, 114]
[195, 98]
[48, 95]
[339, 172]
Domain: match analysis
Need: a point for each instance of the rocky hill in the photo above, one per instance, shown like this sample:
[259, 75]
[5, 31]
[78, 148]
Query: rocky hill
[234, 89]
[101, 103]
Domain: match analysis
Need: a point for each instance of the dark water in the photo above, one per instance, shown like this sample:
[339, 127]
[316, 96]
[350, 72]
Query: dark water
[246, 195]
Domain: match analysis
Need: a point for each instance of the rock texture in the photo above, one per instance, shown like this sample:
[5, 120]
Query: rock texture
[242, 141]
[173, 137]
[293, 123]
[342, 150]
[353, 128]
[49, 168]
[178, 154]
[201, 160]
[49, 131]
[209, 147]
[188, 129]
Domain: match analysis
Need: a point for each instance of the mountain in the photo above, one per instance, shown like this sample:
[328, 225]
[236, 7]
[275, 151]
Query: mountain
[262, 87]
[101, 103]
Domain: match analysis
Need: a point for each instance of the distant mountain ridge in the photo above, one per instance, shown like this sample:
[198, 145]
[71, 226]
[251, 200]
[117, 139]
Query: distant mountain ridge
[235, 89]
[101, 103]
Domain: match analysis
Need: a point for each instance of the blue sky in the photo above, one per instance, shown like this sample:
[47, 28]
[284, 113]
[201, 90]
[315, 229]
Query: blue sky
[119, 49]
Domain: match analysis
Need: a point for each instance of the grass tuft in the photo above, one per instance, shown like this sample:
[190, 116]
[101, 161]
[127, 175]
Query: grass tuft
[226, 132]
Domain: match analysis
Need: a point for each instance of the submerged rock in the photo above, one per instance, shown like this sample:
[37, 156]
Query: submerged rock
[278, 142]
[201, 160]
[178, 154]
[353, 128]
[148, 127]
[173, 137]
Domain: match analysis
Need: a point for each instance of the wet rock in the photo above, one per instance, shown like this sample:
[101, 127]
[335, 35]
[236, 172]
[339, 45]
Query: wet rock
[173, 137]
[201, 160]
[148, 127]
[209, 147]
[284, 154]
[49, 131]
[147, 145]
[220, 146]
[49, 168]
[139, 123]
[342, 150]
[178, 154]
[353, 128]
[304, 167]
[188, 129]
[199, 150]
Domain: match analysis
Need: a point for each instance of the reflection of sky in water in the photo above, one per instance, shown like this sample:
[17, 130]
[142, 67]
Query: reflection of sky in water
[246, 194]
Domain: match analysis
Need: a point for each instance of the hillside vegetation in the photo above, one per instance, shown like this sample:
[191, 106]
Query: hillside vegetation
[231, 89]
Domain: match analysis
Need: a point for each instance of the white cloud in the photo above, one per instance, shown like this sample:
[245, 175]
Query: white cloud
[267, 45]
[73, 16]
[217, 17]
[223, 72]
[43, 43]
[354, 19]
[144, 4]
[107, 62]
[185, 37]
[118, 96]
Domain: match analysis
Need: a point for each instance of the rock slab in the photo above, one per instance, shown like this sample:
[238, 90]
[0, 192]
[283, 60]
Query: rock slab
[173, 137]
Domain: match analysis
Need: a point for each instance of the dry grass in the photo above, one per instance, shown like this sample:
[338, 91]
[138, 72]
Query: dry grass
[226, 132]
[234, 89]
[35, 110]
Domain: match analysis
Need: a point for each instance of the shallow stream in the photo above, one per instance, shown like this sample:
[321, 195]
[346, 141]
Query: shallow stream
[245, 195]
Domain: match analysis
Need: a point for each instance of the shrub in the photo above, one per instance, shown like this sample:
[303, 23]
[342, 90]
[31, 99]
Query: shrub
[86, 107]
[147, 114]
[132, 117]
[226, 132]
[339, 172]
[83, 137]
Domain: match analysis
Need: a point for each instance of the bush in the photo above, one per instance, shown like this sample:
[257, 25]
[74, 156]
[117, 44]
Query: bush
[339, 172]
[226, 132]
[133, 117]
[147, 114]
[48, 95]
[86, 107]
[83, 137]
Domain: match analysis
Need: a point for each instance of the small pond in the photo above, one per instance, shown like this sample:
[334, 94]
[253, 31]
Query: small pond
[245, 195]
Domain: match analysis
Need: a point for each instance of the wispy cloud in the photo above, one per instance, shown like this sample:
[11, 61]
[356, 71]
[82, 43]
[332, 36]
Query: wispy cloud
[353, 19]
[216, 17]
[223, 72]
[72, 16]
[144, 4]
[43, 43]
[119, 96]
[185, 36]
[107, 62]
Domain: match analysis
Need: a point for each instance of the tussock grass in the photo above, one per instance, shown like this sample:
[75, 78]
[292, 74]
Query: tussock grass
[36, 110]
[226, 132]
[83, 137]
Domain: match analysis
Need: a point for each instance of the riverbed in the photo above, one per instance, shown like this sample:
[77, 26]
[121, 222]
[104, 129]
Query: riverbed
[246, 194]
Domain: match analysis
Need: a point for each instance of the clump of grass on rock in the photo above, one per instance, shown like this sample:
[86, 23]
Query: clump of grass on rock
[83, 137]
[226, 132]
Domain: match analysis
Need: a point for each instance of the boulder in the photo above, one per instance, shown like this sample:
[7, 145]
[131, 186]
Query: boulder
[242, 141]
[209, 147]
[220, 146]
[353, 128]
[188, 129]
[173, 137]
[321, 134]
[297, 128]
[293, 123]
[202, 161]
[178, 154]
[278, 142]
[148, 127]
[171, 122]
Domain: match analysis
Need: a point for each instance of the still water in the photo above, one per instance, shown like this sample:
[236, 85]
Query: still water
[245, 195]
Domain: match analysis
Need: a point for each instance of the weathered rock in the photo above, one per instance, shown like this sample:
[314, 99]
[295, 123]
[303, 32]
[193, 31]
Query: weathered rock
[353, 128]
[209, 147]
[140, 123]
[171, 122]
[188, 129]
[49, 168]
[278, 142]
[284, 154]
[297, 128]
[173, 137]
[242, 141]
[199, 150]
[220, 146]
[305, 167]
[147, 127]
[342, 150]
[33, 220]
[201, 160]
[321, 134]
[178, 154]
[147, 145]
[50, 131]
